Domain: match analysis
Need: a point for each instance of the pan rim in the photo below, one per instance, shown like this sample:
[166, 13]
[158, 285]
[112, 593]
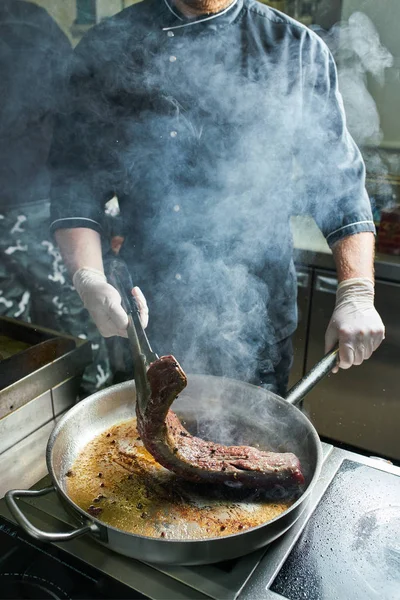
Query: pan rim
[220, 539]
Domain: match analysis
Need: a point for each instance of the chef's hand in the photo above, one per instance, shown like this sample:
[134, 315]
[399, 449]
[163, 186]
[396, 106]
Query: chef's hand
[355, 323]
[103, 302]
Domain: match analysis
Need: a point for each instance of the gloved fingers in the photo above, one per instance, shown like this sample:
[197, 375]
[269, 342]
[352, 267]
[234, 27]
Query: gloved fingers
[359, 351]
[377, 340]
[352, 348]
[369, 347]
[331, 336]
[109, 316]
[363, 344]
[118, 317]
[331, 339]
[374, 341]
[378, 334]
[335, 368]
[122, 333]
[346, 354]
[358, 339]
[105, 324]
[109, 330]
[368, 340]
[115, 312]
[142, 306]
[102, 301]
[103, 328]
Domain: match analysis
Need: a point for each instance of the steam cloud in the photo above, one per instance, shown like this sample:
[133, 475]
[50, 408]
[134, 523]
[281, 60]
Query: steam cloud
[358, 52]
[205, 286]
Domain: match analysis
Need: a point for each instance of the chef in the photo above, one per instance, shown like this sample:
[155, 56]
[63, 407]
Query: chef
[33, 283]
[213, 122]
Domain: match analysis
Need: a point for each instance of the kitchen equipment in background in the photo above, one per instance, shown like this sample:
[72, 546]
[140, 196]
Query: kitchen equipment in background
[351, 489]
[39, 380]
[383, 189]
[278, 4]
[27, 373]
[389, 231]
[17, 336]
[272, 421]
[360, 408]
[302, 10]
[21, 364]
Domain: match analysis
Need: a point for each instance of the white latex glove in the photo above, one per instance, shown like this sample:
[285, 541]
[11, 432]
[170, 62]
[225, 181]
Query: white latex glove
[355, 323]
[103, 302]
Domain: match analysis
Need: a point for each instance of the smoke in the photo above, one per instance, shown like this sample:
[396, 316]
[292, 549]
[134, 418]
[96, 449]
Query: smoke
[359, 53]
[360, 56]
[232, 413]
[216, 178]
[222, 147]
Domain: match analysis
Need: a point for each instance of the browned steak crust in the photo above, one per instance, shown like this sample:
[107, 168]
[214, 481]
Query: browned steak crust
[198, 460]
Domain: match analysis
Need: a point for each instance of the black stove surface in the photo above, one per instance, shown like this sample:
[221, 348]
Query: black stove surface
[350, 548]
[29, 569]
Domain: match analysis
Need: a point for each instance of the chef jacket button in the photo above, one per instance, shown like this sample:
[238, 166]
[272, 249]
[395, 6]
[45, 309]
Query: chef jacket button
[170, 33]
[178, 276]
[177, 208]
[173, 134]
[172, 58]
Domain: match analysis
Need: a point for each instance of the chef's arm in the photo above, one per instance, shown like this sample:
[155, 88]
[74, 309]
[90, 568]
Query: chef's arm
[354, 256]
[80, 247]
[81, 251]
[355, 324]
[335, 195]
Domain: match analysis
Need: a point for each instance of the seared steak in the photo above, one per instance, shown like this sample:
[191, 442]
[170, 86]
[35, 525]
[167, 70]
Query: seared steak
[198, 460]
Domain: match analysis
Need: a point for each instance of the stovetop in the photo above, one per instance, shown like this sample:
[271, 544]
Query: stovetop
[29, 569]
[345, 545]
[350, 548]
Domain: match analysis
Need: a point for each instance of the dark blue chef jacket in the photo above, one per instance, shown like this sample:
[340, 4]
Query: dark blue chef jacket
[212, 132]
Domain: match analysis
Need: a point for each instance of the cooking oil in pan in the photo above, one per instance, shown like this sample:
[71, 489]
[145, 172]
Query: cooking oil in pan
[115, 479]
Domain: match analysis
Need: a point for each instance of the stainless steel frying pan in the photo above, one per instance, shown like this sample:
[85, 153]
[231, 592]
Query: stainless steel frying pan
[252, 416]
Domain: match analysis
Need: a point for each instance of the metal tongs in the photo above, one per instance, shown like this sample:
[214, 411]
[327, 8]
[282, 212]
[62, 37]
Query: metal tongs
[119, 276]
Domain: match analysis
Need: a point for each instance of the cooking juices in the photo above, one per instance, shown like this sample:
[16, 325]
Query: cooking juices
[116, 480]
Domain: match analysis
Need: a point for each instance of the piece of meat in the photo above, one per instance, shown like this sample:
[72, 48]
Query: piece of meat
[195, 459]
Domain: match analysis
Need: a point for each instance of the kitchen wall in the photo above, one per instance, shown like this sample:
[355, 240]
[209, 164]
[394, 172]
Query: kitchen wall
[367, 51]
[64, 12]
[384, 90]
[385, 16]
[372, 92]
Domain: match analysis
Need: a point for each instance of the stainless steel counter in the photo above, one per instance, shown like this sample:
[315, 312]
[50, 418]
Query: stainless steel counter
[36, 395]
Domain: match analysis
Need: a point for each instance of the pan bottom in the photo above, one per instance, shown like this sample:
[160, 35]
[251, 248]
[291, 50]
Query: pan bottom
[116, 480]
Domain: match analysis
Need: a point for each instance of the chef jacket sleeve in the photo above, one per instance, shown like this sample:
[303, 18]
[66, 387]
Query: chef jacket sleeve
[331, 163]
[81, 162]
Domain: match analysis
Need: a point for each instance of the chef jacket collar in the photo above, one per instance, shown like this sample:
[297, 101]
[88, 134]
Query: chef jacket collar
[175, 20]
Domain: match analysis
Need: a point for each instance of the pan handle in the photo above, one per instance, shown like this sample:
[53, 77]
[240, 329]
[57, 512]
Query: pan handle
[30, 529]
[318, 372]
